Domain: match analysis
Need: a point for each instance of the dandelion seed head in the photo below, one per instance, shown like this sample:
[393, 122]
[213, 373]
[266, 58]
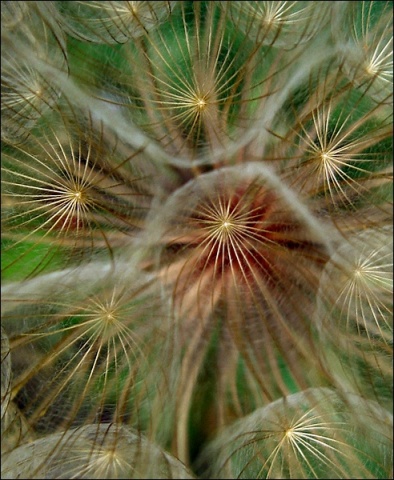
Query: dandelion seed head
[196, 194]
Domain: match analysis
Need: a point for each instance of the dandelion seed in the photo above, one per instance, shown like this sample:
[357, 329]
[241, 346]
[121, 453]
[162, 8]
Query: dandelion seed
[26, 95]
[310, 434]
[355, 313]
[68, 194]
[96, 342]
[368, 48]
[234, 252]
[93, 451]
[335, 155]
[280, 24]
[195, 80]
[112, 22]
